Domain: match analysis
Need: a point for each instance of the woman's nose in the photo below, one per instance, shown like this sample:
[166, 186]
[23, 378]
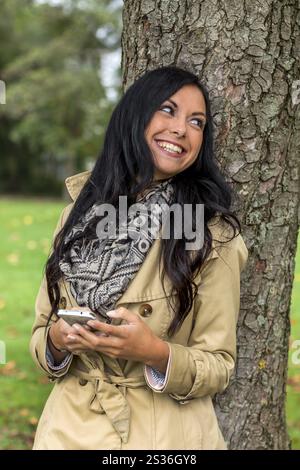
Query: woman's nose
[178, 127]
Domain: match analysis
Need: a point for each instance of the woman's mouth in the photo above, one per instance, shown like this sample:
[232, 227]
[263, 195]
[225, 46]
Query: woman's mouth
[169, 152]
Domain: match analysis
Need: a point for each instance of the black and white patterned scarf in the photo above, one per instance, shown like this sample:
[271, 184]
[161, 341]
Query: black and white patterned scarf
[100, 270]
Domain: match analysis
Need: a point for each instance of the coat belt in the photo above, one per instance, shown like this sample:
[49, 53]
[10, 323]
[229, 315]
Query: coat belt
[109, 395]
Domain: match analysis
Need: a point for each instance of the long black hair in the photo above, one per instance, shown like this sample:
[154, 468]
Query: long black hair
[125, 167]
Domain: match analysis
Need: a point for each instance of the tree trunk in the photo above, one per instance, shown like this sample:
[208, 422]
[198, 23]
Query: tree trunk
[247, 54]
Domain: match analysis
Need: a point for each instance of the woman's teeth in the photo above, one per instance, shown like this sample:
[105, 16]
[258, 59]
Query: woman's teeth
[170, 147]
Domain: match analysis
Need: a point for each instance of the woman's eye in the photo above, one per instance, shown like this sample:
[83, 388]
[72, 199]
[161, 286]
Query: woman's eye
[200, 123]
[166, 107]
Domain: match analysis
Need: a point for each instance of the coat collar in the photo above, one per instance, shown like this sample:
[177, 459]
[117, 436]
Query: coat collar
[76, 182]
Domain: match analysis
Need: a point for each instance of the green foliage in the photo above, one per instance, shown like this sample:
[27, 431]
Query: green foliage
[56, 108]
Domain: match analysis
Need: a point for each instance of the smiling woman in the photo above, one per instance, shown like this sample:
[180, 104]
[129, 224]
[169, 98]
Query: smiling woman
[174, 135]
[142, 376]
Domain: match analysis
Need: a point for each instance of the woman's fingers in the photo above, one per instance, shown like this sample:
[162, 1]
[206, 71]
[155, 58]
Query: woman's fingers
[108, 329]
[64, 327]
[96, 341]
[88, 336]
[78, 343]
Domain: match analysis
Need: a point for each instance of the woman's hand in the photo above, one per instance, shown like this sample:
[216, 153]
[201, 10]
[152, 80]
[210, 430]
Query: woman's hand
[133, 340]
[61, 335]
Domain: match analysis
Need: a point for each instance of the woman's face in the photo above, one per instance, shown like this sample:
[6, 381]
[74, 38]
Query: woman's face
[175, 132]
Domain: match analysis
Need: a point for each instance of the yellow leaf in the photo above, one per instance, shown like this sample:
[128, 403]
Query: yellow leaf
[24, 412]
[33, 420]
[262, 364]
[27, 220]
[13, 258]
[31, 245]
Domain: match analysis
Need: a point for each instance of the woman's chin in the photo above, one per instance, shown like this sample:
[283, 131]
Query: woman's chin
[162, 176]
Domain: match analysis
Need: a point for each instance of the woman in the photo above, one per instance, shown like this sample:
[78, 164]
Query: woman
[144, 377]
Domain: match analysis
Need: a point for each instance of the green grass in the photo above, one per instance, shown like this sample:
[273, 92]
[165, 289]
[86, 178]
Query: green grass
[293, 387]
[26, 229]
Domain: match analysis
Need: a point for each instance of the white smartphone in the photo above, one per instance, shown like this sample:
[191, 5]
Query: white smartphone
[76, 316]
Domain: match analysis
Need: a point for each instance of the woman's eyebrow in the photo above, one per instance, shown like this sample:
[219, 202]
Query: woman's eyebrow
[193, 114]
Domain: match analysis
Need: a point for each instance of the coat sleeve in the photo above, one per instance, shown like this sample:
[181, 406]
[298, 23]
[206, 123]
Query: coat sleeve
[204, 366]
[38, 341]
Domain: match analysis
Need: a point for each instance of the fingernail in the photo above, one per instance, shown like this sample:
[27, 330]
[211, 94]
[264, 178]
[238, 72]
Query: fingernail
[71, 337]
[111, 313]
[77, 327]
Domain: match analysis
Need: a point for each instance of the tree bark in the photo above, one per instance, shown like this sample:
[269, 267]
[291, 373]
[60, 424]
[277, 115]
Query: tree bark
[247, 54]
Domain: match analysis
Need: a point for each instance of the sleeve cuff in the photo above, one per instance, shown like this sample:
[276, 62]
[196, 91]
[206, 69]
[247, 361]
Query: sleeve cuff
[174, 382]
[156, 379]
[182, 372]
[51, 362]
[38, 350]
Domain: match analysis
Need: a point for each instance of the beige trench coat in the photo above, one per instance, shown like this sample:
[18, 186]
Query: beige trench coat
[103, 403]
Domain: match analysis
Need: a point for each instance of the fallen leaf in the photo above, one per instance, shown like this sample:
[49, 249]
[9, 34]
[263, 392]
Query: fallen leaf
[13, 258]
[294, 382]
[27, 220]
[24, 412]
[43, 380]
[33, 420]
[22, 375]
[31, 245]
[8, 369]
[12, 332]
[295, 379]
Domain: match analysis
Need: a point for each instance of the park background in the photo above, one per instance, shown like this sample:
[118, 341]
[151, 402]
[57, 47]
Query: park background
[60, 61]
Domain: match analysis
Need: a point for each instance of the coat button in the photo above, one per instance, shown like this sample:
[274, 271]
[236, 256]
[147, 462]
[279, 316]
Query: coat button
[82, 382]
[63, 303]
[145, 310]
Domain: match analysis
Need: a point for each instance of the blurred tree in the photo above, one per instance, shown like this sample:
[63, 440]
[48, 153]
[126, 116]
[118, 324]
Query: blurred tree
[56, 106]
